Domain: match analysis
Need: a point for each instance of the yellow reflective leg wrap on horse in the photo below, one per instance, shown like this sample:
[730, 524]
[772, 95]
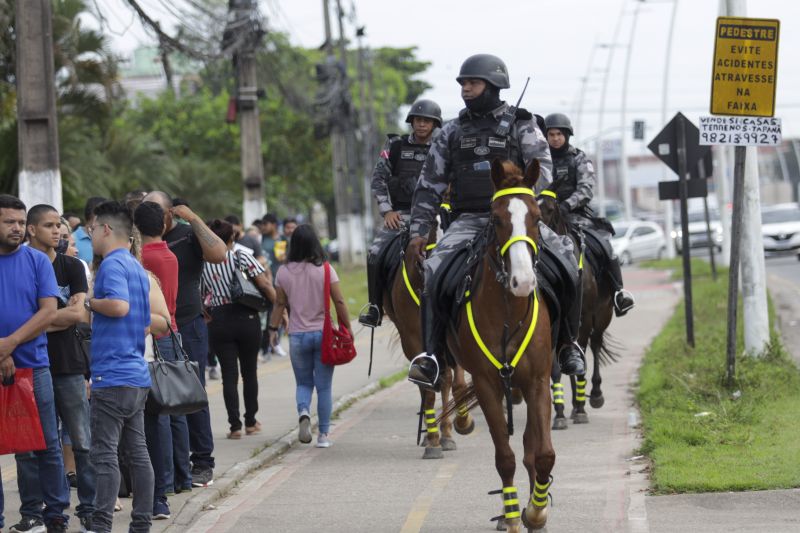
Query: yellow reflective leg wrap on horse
[430, 421]
[580, 390]
[540, 492]
[510, 503]
[558, 393]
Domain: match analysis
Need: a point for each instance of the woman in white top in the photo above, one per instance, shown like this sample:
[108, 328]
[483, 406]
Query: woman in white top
[235, 330]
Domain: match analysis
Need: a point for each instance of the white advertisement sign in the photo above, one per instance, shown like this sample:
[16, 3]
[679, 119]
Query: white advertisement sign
[740, 131]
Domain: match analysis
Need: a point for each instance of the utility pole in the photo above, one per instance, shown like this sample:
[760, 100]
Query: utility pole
[367, 132]
[668, 218]
[333, 102]
[242, 38]
[755, 314]
[39, 174]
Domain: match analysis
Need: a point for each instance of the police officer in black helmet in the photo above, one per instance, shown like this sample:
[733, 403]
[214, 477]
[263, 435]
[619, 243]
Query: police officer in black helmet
[460, 158]
[573, 183]
[393, 183]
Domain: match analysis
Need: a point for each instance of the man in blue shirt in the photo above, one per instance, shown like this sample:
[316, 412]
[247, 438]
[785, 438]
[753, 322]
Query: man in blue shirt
[120, 379]
[28, 293]
[82, 239]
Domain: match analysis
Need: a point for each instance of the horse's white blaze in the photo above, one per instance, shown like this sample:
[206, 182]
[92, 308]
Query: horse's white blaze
[439, 230]
[523, 278]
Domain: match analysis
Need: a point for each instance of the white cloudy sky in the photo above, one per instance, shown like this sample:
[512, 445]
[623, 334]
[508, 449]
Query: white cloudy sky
[549, 40]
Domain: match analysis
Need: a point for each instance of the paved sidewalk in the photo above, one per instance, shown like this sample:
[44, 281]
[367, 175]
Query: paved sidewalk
[276, 413]
[373, 479]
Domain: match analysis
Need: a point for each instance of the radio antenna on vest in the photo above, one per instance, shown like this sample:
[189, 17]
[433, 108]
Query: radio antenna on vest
[507, 118]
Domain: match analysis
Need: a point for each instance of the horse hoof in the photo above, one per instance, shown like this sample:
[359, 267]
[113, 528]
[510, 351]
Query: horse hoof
[597, 401]
[433, 453]
[560, 423]
[467, 430]
[501, 524]
[510, 526]
[448, 445]
[580, 418]
[536, 520]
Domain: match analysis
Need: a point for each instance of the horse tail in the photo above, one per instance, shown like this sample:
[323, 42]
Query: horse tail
[608, 350]
[462, 402]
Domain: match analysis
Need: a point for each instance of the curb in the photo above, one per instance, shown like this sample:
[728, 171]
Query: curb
[223, 485]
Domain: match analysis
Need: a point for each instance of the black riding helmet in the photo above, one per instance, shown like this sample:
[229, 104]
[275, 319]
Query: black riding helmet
[560, 121]
[486, 67]
[425, 108]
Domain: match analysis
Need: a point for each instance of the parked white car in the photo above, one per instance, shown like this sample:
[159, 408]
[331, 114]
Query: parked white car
[636, 240]
[780, 227]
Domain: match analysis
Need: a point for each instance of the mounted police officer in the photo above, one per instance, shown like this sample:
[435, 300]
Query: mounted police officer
[460, 157]
[573, 183]
[393, 182]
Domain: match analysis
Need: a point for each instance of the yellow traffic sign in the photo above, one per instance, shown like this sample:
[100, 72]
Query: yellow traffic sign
[745, 67]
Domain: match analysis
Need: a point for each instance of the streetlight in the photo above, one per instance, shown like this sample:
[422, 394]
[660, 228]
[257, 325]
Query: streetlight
[623, 155]
[601, 182]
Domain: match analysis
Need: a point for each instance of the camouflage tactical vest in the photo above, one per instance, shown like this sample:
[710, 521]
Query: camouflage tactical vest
[407, 160]
[475, 146]
[565, 174]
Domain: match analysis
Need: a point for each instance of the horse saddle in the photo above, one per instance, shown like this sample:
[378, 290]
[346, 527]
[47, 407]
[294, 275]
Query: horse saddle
[456, 275]
[598, 250]
[390, 258]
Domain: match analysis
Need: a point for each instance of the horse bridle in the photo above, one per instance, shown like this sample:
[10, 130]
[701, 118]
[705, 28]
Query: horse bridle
[496, 260]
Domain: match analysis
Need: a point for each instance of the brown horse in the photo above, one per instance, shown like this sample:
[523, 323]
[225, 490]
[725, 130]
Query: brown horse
[401, 303]
[596, 313]
[503, 339]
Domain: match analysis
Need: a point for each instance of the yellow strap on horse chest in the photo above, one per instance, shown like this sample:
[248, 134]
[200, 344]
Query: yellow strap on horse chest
[408, 285]
[525, 342]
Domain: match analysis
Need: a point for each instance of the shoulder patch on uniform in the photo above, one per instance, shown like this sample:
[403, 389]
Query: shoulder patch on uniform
[523, 114]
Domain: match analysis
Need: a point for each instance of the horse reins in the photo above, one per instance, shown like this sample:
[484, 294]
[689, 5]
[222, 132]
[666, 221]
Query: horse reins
[506, 368]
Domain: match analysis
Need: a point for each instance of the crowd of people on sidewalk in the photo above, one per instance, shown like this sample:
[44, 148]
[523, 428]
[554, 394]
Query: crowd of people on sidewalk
[88, 304]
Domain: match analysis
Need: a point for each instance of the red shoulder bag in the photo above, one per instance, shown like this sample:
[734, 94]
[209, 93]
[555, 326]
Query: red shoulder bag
[337, 344]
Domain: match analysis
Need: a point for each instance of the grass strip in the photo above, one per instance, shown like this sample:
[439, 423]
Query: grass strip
[353, 282]
[702, 436]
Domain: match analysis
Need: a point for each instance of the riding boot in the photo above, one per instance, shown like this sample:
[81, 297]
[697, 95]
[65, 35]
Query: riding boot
[570, 355]
[623, 300]
[371, 316]
[425, 368]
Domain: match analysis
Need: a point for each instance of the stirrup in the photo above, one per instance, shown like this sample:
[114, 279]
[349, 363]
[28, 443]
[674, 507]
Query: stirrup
[363, 316]
[621, 311]
[434, 383]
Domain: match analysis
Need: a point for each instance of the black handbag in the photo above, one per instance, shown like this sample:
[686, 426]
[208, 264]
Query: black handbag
[244, 291]
[176, 388]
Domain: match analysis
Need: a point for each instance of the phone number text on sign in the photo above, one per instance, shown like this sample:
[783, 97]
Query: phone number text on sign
[740, 131]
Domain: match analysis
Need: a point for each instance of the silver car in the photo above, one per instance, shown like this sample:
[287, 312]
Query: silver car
[636, 240]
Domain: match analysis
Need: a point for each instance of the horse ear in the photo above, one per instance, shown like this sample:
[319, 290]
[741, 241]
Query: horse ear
[532, 172]
[498, 173]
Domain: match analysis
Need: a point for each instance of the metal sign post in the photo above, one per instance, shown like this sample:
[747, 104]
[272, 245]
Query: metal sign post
[683, 186]
[701, 168]
[677, 145]
[733, 273]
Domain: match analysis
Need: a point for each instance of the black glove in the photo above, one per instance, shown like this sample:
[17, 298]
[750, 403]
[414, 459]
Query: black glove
[564, 208]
